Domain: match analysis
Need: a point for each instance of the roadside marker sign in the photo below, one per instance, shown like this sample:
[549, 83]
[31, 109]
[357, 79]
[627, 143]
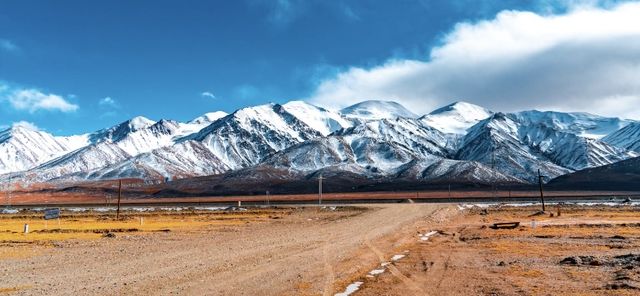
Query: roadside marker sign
[51, 214]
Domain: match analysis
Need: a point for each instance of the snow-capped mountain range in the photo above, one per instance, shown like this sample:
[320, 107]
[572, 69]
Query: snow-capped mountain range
[375, 139]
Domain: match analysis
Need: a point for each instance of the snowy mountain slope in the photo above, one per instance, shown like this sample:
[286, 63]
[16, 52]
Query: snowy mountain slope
[121, 130]
[495, 142]
[82, 160]
[370, 154]
[520, 148]
[22, 148]
[375, 158]
[406, 132]
[569, 150]
[627, 137]
[113, 145]
[582, 124]
[248, 135]
[320, 119]
[270, 119]
[372, 110]
[455, 118]
[186, 159]
[372, 139]
[448, 170]
[373, 148]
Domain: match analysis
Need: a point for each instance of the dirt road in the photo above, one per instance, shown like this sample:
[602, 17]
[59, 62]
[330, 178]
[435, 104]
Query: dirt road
[308, 252]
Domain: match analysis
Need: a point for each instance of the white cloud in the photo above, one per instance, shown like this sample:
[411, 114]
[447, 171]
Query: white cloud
[33, 100]
[108, 101]
[207, 94]
[7, 45]
[26, 124]
[579, 61]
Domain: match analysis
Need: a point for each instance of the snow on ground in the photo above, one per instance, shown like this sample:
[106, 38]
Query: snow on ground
[612, 203]
[350, 289]
[397, 257]
[425, 237]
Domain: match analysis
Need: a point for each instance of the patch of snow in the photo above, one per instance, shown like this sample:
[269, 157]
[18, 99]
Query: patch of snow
[352, 288]
[397, 257]
[425, 237]
[9, 211]
[376, 271]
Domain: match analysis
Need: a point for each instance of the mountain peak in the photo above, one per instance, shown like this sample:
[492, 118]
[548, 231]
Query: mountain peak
[375, 109]
[456, 118]
[16, 130]
[323, 120]
[462, 107]
[139, 122]
[208, 117]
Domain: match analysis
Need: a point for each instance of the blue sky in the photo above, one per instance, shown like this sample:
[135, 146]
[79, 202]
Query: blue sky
[76, 66]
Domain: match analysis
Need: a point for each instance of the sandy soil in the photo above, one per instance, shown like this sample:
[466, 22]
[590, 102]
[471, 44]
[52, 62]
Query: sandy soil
[304, 252]
[585, 251]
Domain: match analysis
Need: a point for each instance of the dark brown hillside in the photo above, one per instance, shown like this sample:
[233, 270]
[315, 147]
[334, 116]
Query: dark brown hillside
[623, 175]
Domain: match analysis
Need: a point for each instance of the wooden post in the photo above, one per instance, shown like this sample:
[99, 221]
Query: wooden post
[320, 190]
[119, 197]
[541, 193]
[268, 201]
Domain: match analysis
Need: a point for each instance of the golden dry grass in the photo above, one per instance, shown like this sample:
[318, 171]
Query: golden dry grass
[11, 290]
[87, 226]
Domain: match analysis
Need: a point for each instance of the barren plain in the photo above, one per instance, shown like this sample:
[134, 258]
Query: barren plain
[383, 249]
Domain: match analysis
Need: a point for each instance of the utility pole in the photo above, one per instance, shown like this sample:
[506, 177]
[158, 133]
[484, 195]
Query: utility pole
[541, 193]
[320, 189]
[493, 168]
[267, 198]
[119, 196]
[10, 187]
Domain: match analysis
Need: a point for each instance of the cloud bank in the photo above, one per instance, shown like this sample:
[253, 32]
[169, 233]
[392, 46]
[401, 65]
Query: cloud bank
[32, 100]
[587, 59]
